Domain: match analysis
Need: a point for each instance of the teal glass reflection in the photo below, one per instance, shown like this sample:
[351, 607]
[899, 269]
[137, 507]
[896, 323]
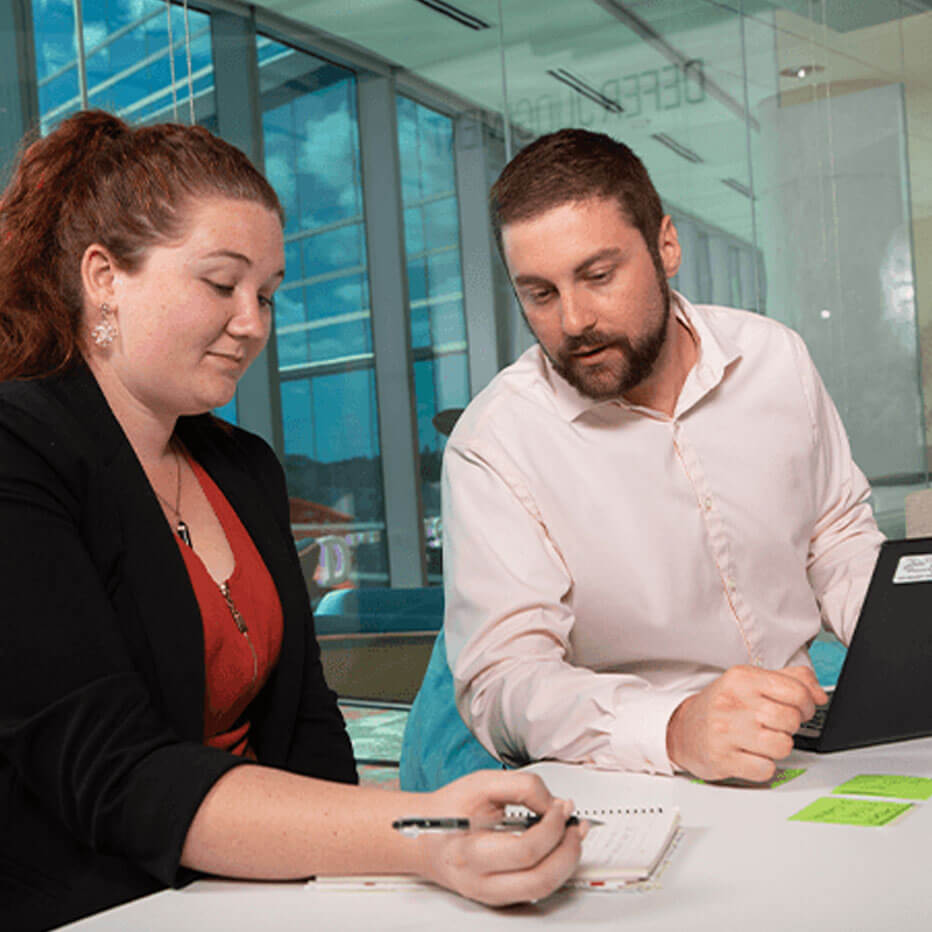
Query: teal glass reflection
[435, 289]
[322, 322]
[127, 63]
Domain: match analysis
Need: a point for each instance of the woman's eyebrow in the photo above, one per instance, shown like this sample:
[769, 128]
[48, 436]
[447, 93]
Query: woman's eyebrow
[227, 254]
[239, 257]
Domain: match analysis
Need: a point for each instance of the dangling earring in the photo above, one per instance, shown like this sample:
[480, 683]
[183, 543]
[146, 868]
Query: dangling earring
[106, 330]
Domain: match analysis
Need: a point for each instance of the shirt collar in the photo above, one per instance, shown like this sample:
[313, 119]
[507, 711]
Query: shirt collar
[717, 351]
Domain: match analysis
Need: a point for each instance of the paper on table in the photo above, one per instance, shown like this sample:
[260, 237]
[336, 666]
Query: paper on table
[357, 882]
[627, 847]
[887, 784]
[632, 846]
[840, 811]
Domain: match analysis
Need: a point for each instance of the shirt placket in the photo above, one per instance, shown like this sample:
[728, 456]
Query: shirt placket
[718, 539]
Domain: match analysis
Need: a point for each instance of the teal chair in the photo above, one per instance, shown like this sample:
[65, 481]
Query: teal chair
[828, 656]
[437, 747]
[375, 642]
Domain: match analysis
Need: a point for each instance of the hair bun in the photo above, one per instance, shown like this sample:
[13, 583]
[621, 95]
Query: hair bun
[94, 125]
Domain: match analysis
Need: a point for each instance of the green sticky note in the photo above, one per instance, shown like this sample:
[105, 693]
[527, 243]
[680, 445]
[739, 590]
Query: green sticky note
[887, 784]
[784, 776]
[781, 776]
[840, 811]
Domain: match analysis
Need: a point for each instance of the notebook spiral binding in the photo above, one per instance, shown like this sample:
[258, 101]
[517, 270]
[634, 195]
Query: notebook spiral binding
[583, 813]
[634, 810]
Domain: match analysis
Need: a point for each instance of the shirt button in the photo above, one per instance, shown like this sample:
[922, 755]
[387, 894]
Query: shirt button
[707, 503]
[731, 584]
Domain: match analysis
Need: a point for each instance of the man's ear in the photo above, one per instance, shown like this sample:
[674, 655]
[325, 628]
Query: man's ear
[668, 245]
[98, 275]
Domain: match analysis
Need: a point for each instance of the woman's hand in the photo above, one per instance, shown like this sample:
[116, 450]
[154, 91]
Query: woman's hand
[499, 867]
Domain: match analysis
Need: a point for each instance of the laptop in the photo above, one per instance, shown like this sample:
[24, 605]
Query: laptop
[884, 690]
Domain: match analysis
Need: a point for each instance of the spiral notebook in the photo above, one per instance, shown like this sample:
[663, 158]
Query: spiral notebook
[628, 849]
[629, 845]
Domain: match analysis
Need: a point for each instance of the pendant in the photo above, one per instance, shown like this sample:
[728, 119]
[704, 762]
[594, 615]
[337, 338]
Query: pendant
[182, 530]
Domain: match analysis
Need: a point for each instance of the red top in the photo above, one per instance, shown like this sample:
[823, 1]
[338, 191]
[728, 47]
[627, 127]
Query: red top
[236, 665]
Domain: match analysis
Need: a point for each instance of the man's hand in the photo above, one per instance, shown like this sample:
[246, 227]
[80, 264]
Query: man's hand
[743, 722]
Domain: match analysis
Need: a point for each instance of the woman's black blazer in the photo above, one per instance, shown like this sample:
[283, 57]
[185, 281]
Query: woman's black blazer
[102, 764]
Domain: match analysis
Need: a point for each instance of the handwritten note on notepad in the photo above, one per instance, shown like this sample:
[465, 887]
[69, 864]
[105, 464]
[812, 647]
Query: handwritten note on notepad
[627, 847]
[887, 784]
[841, 811]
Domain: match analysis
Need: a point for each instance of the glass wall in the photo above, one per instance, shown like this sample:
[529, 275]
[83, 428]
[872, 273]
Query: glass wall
[119, 60]
[789, 140]
[322, 320]
[435, 292]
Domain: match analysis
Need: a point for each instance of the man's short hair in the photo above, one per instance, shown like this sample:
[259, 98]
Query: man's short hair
[573, 165]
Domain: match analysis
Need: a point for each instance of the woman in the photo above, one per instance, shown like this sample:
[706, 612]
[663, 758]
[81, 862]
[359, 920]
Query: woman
[162, 705]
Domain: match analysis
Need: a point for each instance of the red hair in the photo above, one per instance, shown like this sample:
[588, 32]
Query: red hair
[96, 179]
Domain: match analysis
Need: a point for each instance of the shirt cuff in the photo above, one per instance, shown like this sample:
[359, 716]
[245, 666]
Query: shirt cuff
[639, 735]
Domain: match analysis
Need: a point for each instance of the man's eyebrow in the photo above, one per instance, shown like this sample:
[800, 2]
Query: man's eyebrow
[612, 252]
[530, 280]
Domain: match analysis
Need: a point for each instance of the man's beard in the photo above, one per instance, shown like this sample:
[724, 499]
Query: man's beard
[624, 370]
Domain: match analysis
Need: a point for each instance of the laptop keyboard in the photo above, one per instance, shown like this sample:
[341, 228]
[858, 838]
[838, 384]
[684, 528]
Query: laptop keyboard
[813, 727]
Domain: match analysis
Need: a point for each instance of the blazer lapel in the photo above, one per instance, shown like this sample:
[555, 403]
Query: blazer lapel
[158, 590]
[157, 587]
[166, 604]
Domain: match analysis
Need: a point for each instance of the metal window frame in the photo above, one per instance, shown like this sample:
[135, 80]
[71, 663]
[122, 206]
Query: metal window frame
[19, 91]
[234, 26]
[487, 300]
[391, 330]
[486, 292]
[83, 98]
[239, 121]
[492, 343]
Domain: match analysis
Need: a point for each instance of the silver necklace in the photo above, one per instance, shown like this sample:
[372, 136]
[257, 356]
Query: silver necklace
[181, 527]
[240, 623]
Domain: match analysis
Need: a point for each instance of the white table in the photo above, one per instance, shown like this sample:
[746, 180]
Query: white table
[740, 864]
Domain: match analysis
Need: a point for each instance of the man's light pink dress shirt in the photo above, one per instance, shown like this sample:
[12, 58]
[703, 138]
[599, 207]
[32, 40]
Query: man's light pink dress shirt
[603, 561]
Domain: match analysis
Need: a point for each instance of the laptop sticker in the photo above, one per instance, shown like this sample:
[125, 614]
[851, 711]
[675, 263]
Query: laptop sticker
[913, 568]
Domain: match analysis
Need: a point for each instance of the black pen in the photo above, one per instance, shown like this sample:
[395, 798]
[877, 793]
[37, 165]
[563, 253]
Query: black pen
[412, 827]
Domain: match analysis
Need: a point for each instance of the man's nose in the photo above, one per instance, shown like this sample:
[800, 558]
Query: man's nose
[577, 314]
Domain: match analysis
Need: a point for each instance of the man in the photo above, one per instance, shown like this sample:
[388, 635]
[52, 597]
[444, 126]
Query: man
[649, 515]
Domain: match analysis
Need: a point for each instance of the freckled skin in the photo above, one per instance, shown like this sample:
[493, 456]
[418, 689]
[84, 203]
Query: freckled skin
[194, 316]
